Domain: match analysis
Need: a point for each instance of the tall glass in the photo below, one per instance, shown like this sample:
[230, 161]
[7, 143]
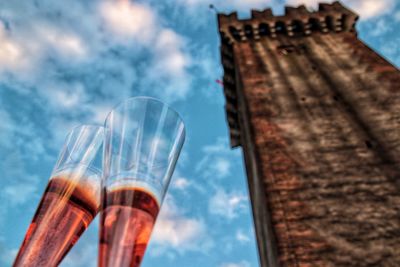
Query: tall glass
[142, 144]
[70, 202]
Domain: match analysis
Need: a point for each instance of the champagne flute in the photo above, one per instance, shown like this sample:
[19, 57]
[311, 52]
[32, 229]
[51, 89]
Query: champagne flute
[142, 144]
[70, 202]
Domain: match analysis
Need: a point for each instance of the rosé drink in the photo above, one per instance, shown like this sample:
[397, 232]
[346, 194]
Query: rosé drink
[65, 211]
[127, 221]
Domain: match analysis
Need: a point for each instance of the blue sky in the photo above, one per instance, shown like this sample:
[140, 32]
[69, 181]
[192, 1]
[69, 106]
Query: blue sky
[63, 64]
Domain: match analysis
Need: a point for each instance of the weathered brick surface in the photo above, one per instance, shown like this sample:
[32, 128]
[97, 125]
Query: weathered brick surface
[321, 125]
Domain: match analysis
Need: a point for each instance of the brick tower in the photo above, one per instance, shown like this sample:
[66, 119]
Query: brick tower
[317, 113]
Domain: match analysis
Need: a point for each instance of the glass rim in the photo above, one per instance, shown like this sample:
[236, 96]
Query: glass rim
[91, 127]
[130, 99]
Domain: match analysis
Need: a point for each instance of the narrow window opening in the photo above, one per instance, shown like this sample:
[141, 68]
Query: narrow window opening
[263, 29]
[329, 23]
[343, 19]
[368, 144]
[235, 33]
[298, 28]
[248, 31]
[314, 25]
[280, 27]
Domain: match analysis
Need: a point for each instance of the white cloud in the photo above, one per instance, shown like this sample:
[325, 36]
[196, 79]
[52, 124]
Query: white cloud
[69, 45]
[21, 51]
[65, 96]
[180, 183]
[128, 19]
[227, 205]
[12, 55]
[242, 237]
[371, 8]
[217, 159]
[221, 145]
[238, 264]
[309, 3]
[170, 64]
[206, 64]
[391, 49]
[176, 231]
[168, 48]
[100, 111]
[380, 27]
[365, 8]
[397, 16]
[20, 193]
[222, 167]
[214, 166]
[19, 139]
[241, 5]
[184, 185]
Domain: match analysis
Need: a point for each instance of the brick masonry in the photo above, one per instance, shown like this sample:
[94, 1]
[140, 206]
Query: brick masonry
[317, 113]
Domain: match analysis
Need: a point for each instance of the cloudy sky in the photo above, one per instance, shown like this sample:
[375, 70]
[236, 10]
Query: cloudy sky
[66, 63]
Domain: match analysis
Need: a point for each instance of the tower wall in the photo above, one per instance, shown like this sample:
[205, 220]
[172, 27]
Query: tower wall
[317, 113]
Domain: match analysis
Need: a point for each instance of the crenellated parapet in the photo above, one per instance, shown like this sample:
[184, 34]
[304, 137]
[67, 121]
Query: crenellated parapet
[297, 21]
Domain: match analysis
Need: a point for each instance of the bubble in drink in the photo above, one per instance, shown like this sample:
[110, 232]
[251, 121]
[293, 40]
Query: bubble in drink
[127, 221]
[65, 211]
